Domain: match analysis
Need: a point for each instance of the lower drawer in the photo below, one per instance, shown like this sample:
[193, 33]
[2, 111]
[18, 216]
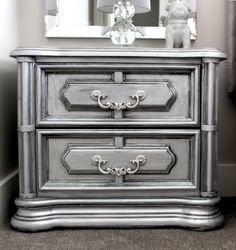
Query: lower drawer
[117, 163]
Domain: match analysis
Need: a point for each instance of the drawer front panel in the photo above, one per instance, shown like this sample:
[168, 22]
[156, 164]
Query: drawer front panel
[77, 95]
[118, 162]
[118, 96]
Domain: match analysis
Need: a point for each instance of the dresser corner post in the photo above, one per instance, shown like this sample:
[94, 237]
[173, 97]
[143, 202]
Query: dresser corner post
[209, 127]
[26, 127]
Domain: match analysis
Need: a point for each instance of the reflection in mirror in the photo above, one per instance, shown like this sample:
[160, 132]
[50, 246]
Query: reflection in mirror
[75, 18]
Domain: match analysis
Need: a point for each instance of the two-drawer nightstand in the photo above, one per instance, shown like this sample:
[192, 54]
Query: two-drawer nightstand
[117, 138]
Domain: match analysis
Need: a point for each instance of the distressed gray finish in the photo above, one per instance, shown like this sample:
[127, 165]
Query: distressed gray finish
[83, 165]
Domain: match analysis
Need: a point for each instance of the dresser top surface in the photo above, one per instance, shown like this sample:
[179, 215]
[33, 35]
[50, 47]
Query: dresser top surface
[118, 52]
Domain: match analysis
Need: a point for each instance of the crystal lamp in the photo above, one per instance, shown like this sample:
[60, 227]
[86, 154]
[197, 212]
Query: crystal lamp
[123, 32]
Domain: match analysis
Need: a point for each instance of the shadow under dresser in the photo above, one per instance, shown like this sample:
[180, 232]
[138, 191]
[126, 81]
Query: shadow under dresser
[117, 138]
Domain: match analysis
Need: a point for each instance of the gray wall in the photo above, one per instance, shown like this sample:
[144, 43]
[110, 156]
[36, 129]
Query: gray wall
[8, 132]
[212, 32]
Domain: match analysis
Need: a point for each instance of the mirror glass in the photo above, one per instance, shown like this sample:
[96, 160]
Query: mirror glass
[80, 18]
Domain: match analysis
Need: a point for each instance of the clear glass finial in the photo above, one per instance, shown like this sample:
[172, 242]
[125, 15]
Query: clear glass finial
[123, 32]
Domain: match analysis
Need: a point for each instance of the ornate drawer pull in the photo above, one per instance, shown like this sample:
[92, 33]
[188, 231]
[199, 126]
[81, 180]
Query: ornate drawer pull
[97, 161]
[97, 95]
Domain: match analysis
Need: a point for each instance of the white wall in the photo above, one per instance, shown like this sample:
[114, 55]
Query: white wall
[8, 76]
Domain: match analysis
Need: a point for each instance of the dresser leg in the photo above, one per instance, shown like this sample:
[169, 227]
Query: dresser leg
[26, 126]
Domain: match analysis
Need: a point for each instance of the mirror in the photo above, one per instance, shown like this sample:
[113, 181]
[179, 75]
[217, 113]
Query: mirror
[80, 18]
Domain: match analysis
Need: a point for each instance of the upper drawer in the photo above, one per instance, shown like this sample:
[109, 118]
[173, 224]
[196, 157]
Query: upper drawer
[165, 95]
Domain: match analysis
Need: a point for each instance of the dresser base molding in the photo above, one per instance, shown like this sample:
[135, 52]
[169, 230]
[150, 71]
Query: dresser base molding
[41, 214]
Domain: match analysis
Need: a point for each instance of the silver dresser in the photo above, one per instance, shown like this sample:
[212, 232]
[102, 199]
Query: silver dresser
[117, 138]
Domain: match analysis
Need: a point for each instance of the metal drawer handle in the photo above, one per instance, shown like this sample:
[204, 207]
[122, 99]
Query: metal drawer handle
[97, 161]
[97, 95]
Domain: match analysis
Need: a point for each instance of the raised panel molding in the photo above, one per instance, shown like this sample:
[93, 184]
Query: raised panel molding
[76, 94]
[159, 160]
